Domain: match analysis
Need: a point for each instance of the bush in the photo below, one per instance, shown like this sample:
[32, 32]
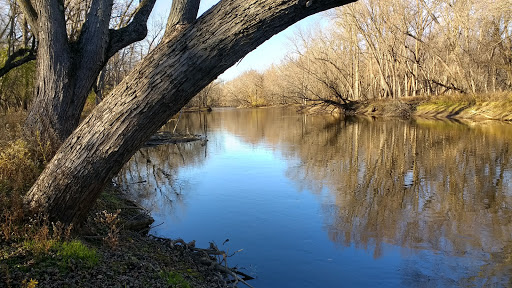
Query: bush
[18, 170]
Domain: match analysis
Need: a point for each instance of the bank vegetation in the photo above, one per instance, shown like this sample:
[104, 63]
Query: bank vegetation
[417, 52]
[437, 58]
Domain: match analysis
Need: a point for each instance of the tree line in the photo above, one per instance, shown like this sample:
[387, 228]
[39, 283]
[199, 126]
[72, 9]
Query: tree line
[372, 50]
[389, 49]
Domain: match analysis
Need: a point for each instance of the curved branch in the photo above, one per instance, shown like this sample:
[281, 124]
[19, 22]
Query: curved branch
[155, 90]
[12, 63]
[133, 32]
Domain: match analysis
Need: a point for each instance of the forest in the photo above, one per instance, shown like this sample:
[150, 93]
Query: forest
[387, 49]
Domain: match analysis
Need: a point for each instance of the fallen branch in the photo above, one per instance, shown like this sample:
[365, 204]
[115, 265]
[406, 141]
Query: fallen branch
[207, 256]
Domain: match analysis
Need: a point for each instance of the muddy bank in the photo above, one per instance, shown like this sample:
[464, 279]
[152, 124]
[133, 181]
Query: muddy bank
[489, 110]
[463, 107]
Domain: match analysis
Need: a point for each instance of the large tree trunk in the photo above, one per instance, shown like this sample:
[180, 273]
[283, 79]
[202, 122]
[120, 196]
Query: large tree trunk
[53, 69]
[67, 69]
[156, 89]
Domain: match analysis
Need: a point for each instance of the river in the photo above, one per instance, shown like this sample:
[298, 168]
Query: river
[318, 201]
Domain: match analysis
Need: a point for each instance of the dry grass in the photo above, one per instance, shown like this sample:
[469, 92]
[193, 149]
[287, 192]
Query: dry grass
[18, 166]
[490, 106]
[18, 171]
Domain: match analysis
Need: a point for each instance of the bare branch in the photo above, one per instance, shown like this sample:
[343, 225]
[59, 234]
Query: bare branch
[183, 12]
[133, 32]
[11, 62]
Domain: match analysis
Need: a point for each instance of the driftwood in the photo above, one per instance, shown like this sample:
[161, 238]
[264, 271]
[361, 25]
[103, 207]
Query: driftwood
[165, 137]
[211, 258]
[138, 225]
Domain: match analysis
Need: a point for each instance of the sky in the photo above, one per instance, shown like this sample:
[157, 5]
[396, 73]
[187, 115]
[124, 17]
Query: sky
[271, 52]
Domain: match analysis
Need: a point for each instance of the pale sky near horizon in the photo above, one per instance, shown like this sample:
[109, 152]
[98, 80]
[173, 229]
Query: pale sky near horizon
[271, 52]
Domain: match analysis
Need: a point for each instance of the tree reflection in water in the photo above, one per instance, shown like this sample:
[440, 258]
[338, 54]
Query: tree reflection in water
[435, 185]
[150, 176]
[440, 186]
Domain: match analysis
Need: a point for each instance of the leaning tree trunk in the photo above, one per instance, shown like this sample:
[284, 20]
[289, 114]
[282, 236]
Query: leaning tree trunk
[175, 71]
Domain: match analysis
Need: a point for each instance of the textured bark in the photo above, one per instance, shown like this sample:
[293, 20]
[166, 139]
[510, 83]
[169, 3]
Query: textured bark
[66, 70]
[53, 69]
[183, 12]
[156, 89]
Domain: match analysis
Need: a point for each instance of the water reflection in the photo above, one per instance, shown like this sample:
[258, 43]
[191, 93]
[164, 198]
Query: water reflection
[428, 185]
[437, 186]
[150, 176]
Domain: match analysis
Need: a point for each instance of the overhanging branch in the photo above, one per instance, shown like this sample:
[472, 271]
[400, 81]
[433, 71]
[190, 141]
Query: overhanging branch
[156, 89]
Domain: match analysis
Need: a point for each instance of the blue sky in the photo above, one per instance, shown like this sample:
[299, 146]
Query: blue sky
[271, 52]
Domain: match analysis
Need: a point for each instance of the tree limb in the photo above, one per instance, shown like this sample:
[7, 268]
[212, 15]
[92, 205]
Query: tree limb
[30, 14]
[11, 62]
[183, 12]
[450, 86]
[135, 31]
[92, 45]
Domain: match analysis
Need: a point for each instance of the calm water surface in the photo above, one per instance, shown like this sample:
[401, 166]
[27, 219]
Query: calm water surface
[316, 201]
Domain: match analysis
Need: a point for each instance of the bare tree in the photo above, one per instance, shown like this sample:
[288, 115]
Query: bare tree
[69, 58]
[187, 60]
[404, 48]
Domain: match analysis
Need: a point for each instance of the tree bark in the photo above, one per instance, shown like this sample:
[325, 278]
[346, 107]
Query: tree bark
[156, 89]
[183, 12]
[67, 70]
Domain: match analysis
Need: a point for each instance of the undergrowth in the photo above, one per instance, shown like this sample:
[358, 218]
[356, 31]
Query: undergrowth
[25, 236]
[77, 251]
[175, 279]
[37, 252]
[18, 171]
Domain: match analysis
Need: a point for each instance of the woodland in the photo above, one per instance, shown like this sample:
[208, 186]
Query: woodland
[89, 82]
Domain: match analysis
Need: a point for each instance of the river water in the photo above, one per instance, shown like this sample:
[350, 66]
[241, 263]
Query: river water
[317, 201]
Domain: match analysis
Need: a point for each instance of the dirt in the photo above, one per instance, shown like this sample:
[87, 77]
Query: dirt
[127, 259]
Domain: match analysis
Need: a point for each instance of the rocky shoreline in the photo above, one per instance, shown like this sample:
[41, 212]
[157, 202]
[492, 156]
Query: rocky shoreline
[124, 255]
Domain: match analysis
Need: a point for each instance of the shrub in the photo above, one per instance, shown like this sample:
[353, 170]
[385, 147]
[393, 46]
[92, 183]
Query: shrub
[18, 170]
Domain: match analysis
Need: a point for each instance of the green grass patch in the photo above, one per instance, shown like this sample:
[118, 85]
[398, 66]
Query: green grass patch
[174, 279]
[77, 251]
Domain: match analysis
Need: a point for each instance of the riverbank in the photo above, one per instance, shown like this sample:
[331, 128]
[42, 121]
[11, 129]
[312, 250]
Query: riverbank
[497, 106]
[111, 249]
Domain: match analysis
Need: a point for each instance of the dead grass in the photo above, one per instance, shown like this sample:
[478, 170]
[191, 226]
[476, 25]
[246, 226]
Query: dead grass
[490, 106]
